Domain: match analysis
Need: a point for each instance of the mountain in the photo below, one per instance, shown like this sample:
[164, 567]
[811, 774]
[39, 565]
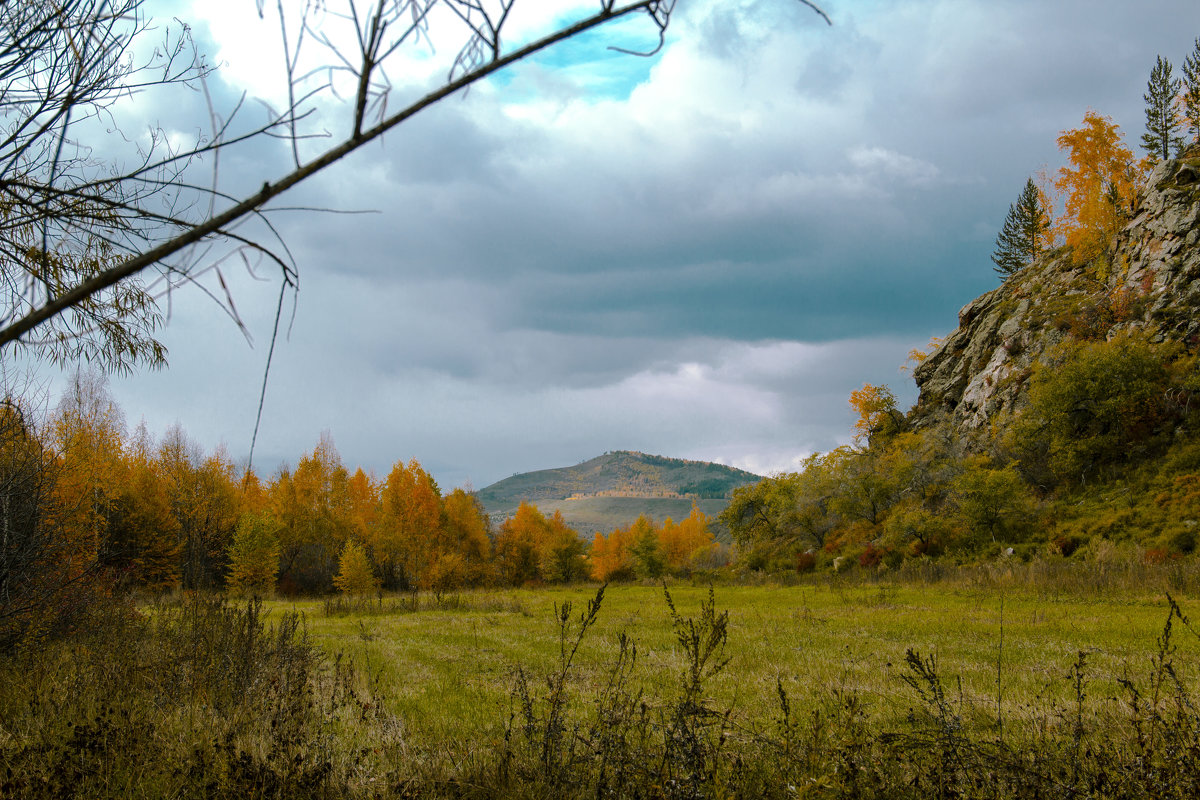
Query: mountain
[613, 489]
[1150, 281]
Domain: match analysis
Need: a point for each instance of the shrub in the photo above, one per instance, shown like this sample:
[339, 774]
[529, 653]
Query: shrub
[1094, 405]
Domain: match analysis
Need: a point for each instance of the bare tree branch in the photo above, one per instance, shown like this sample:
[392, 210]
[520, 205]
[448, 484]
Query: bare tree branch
[218, 223]
[77, 232]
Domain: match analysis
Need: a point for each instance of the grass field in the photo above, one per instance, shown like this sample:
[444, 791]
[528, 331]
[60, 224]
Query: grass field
[448, 673]
[1033, 680]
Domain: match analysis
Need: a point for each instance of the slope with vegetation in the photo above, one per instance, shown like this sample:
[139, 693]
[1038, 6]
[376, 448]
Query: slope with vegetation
[616, 474]
[614, 489]
[1062, 417]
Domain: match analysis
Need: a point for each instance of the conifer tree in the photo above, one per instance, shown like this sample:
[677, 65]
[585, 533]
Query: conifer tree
[1191, 92]
[1025, 228]
[1162, 116]
[254, 555]
[355, 576]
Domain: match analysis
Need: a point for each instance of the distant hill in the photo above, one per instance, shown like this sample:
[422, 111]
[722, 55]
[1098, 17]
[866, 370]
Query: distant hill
[613, 489]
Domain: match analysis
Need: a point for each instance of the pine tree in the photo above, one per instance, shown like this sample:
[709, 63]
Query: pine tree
[1191, 92]
[1024, 233]
[1162, 117]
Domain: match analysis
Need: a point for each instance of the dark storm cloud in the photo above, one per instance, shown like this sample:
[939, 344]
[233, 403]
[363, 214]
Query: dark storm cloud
[702, 265]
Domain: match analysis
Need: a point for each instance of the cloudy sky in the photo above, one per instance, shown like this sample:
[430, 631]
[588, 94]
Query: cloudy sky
[698, 254]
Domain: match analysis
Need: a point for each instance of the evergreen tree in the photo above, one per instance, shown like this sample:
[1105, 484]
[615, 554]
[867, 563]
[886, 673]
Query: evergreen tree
[1162, 117]
[1191, 92]
[1024, 233]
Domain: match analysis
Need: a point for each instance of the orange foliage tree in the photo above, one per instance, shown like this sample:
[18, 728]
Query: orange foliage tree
[142, 541]
[88, 432]
[875, 406]
[561, 552]
[646, 550]
[205, 503]
[680, 542]
[609, 558]
[1098, 186]
[519, 545]
[466, 527]
[408, 538]
[311, 507]
[362, 498]
[253, 496]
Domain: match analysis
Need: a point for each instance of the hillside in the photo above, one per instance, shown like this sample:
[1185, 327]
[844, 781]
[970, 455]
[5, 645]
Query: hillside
[1060, 419]
[592, 515]
[1147, 282]
[616, 487]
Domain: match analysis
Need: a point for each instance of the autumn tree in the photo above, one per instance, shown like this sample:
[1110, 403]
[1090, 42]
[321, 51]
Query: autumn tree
[253, 496]
[88, 430]
[141, 543]
[363, 505]
[681, 542]
[1098, 186]
[408, 536]
[1191, 92]
[519, 545]
[1162, 138]
[355, 576]
[254, 555]
[204, 502]
[609, 557]
[311, 505]
[465, 526]
[1024, 235]
[876, 410]
[448, 572]
[561, 552]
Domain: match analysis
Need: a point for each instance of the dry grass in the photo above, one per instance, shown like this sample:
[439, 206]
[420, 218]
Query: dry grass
[968, 687]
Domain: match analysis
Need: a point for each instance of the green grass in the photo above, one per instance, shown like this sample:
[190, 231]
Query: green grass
[194, 697]
[448, 672]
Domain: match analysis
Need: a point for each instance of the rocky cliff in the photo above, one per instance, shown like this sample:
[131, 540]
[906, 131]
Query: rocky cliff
[1149, 279]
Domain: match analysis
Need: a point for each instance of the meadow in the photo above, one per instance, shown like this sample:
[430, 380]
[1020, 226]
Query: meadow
[1014, 680]
[448, 672]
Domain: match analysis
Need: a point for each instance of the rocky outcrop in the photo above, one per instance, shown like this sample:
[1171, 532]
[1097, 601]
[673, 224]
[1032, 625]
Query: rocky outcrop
[1149, 279]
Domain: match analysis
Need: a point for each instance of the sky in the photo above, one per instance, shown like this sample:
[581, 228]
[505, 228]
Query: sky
[697, 254]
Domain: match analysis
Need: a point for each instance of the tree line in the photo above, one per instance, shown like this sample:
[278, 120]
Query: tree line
[92, 508]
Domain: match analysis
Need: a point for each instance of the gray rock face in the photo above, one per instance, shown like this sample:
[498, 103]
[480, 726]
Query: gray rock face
[1148, 279]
